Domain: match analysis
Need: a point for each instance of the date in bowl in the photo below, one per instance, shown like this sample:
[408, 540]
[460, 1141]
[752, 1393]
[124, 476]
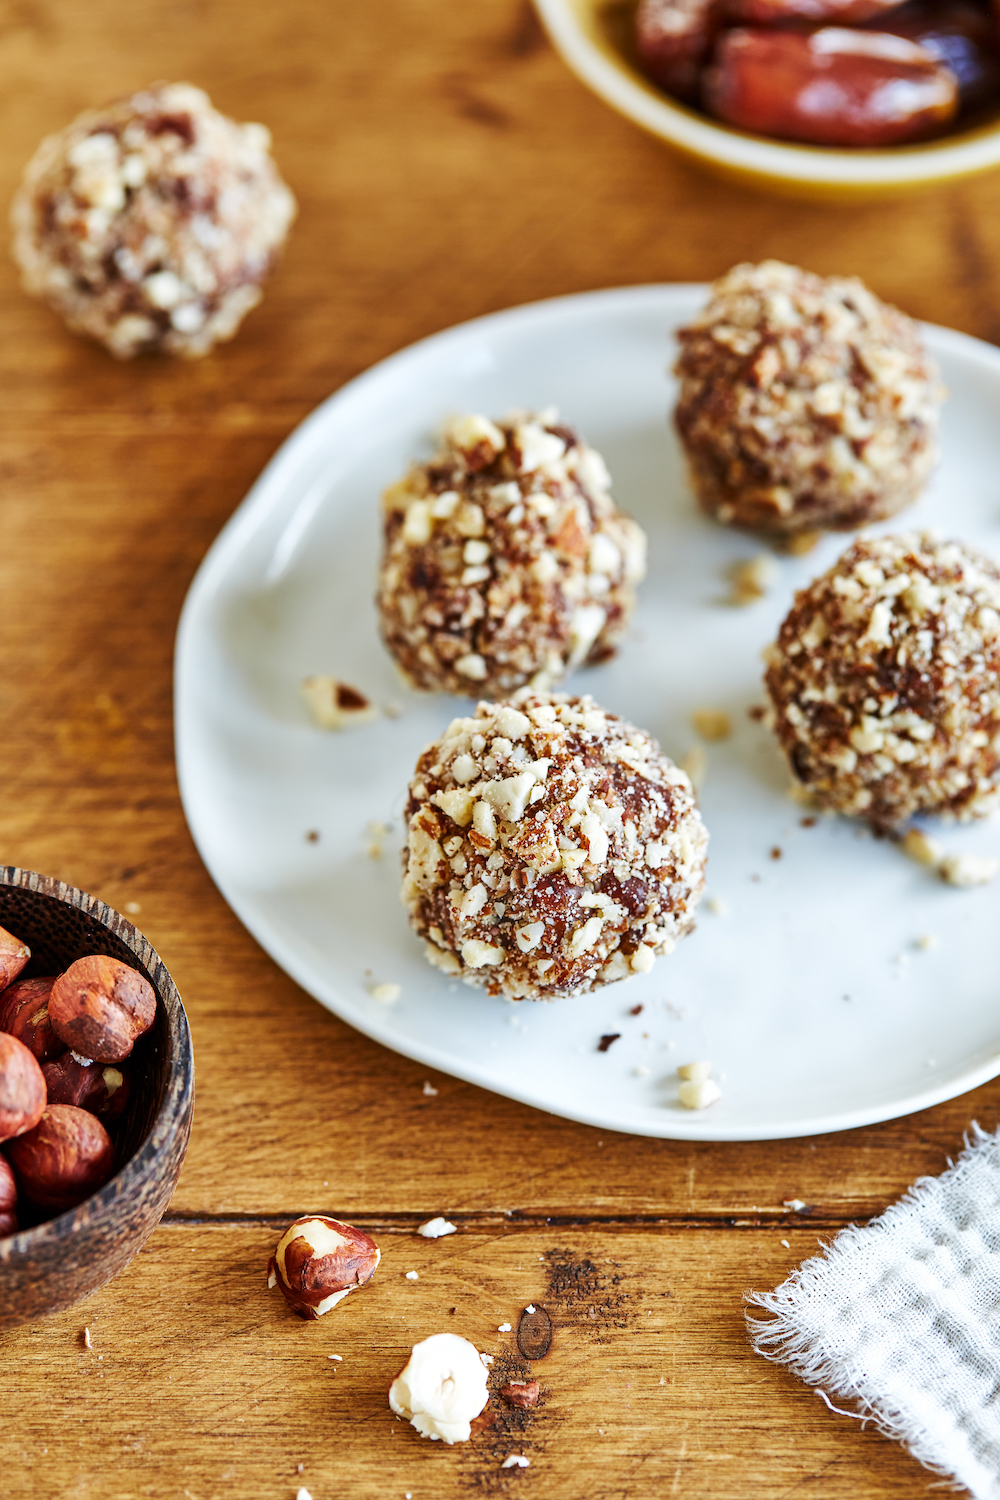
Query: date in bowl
[51, 1265]
[594, 39]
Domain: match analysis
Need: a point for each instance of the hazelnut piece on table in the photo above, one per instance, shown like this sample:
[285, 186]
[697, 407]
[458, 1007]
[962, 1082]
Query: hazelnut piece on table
[64, 1159]
[99, 1088]
[22, 1088]
[442, 1388]
[24, 1013]
[318, 1261]
[13, 956]
[100, 1007]
[8, 1200]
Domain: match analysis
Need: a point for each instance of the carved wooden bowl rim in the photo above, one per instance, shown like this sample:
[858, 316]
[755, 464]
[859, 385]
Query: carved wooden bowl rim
[175, 1106]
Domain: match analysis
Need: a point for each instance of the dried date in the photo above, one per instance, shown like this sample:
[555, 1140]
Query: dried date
[831, 87]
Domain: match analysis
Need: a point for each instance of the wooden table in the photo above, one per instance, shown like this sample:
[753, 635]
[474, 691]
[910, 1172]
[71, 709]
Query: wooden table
[446, 165]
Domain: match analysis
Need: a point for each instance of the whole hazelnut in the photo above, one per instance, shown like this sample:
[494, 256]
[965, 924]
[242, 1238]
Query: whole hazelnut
[64, 1159]
[99, 1088]
[22, 1088]
[100, 1007]
[13, 956]
[318, 1261]
[8, 1200]
[24, 1013]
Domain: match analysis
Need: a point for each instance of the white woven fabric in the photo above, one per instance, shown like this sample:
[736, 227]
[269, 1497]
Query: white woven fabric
[902, 1318]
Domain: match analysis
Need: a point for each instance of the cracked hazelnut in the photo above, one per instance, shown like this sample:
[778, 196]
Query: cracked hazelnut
[13, 956]
[8, 1200]
[24, 1013]
[98, 1088]
[100, 1007]
[22, 1088]
[64, 1159]
[318, 1261]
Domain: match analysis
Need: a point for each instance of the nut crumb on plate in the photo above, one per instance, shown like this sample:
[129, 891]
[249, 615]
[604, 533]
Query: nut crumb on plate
[506, 559]
[695, 767]
[717, 906]
[695, 1072]
[968, 869]
[386, 994]
[751, 578]
[335, 704]
[921, 847]
[712, 724]
[698, 1095]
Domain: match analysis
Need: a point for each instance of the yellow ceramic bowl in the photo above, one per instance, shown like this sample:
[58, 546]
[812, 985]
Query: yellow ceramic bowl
[593, 38]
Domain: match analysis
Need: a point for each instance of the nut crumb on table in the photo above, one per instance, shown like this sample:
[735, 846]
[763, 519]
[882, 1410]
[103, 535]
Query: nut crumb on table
[442, 1388]
[337, 705]
[552, 848]
[506, 559]
[435, 1229]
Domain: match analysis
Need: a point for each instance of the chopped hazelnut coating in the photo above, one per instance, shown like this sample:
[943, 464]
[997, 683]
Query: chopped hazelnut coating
[506, 560]
[151, 223]
[805, 403]
[885, 681]
[552, 848]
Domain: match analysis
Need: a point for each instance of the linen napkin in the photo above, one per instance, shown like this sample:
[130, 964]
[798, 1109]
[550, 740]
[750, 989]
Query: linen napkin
[902, 1318]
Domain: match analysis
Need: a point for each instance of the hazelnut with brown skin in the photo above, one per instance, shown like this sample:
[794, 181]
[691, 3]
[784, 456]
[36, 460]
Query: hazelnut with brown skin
[24, 1013]
[13, 956]
[64, 1159]
[100, 1007]
[22, 1088]
[99, 1088]
[318, 1261]
[8, 1200]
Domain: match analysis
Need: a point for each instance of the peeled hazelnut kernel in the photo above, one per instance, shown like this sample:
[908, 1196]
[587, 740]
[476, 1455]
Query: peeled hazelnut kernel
[64, 1159]
[98, 1088]
[318, 1261]
[13, 956]
[24, 1013]
[100, 1007]
[442, 1388]
[22, 1088]
[8, 1200]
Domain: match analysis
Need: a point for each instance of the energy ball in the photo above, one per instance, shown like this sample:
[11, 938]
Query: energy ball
[506, 560]
[151, 224]
[885, 682]
[806, 404]
[552, 848]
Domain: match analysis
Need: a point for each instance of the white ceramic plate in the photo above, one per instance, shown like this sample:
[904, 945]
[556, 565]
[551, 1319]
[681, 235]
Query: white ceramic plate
[811, 997]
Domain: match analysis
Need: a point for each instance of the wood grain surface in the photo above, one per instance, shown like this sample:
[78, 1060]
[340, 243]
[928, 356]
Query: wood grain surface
[446, 165]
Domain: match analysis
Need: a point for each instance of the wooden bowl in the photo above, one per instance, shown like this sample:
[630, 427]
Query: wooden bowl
[49, 1266]
[594, 38]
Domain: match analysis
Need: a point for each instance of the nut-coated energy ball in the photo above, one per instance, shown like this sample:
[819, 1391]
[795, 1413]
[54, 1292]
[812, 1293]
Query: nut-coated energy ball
[151, 223]
[806, 404]
[506, 560]
[885, 682]
[552, 848]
